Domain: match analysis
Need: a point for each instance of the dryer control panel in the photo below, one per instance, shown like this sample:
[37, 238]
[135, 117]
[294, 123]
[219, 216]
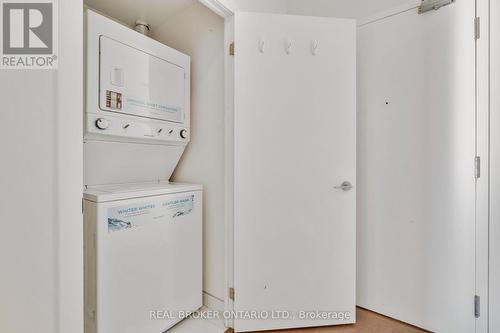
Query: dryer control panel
[127, 128]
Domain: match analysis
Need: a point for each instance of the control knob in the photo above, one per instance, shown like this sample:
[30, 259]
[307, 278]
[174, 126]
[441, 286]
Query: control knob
[102, 123]
[184, 134]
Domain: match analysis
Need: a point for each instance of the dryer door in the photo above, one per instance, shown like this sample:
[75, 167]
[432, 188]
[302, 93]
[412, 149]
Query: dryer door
[136, 83]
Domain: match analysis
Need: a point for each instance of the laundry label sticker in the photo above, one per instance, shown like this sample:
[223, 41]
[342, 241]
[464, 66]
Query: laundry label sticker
[132, 216]
[179, 206]
[113, 100]
[143, 214]
[154, 106]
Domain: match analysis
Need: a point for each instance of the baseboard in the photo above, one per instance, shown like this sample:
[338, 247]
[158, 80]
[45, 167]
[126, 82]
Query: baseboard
[213, 303]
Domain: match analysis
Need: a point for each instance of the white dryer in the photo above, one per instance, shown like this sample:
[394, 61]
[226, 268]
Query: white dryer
[143, 256]
[137, 110]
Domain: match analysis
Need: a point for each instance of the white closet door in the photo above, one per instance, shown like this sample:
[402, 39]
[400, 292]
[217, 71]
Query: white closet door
[295, 141]
[416, 193]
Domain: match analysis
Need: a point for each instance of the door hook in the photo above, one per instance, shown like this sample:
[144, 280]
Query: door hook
[262, 45]
[314, 47]
[288, 46]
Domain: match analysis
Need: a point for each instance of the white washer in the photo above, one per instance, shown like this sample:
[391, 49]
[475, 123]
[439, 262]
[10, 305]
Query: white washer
[143, 256]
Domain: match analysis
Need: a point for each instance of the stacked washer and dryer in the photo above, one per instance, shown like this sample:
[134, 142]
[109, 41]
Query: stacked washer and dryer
[143, 234]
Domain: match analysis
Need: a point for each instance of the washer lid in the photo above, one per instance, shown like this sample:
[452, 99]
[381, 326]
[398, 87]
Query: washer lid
[105, 193]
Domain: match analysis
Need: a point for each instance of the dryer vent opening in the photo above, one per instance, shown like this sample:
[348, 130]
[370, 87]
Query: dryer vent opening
[142, 27]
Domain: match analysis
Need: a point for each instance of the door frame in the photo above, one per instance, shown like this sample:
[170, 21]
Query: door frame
[228, 15]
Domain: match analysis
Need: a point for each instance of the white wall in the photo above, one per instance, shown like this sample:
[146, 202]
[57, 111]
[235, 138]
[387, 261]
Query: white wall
[268, 6]
[41, 243]
[28, 241]
[198, 32]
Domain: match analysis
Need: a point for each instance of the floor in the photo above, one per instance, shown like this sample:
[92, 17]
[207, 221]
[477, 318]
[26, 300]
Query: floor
[199, 326]
[367, 322]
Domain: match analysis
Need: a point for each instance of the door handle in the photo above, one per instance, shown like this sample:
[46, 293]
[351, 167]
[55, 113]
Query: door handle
[345, 186]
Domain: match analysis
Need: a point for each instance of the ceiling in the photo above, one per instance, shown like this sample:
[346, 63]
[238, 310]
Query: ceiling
[343, 8]
[155, 12]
